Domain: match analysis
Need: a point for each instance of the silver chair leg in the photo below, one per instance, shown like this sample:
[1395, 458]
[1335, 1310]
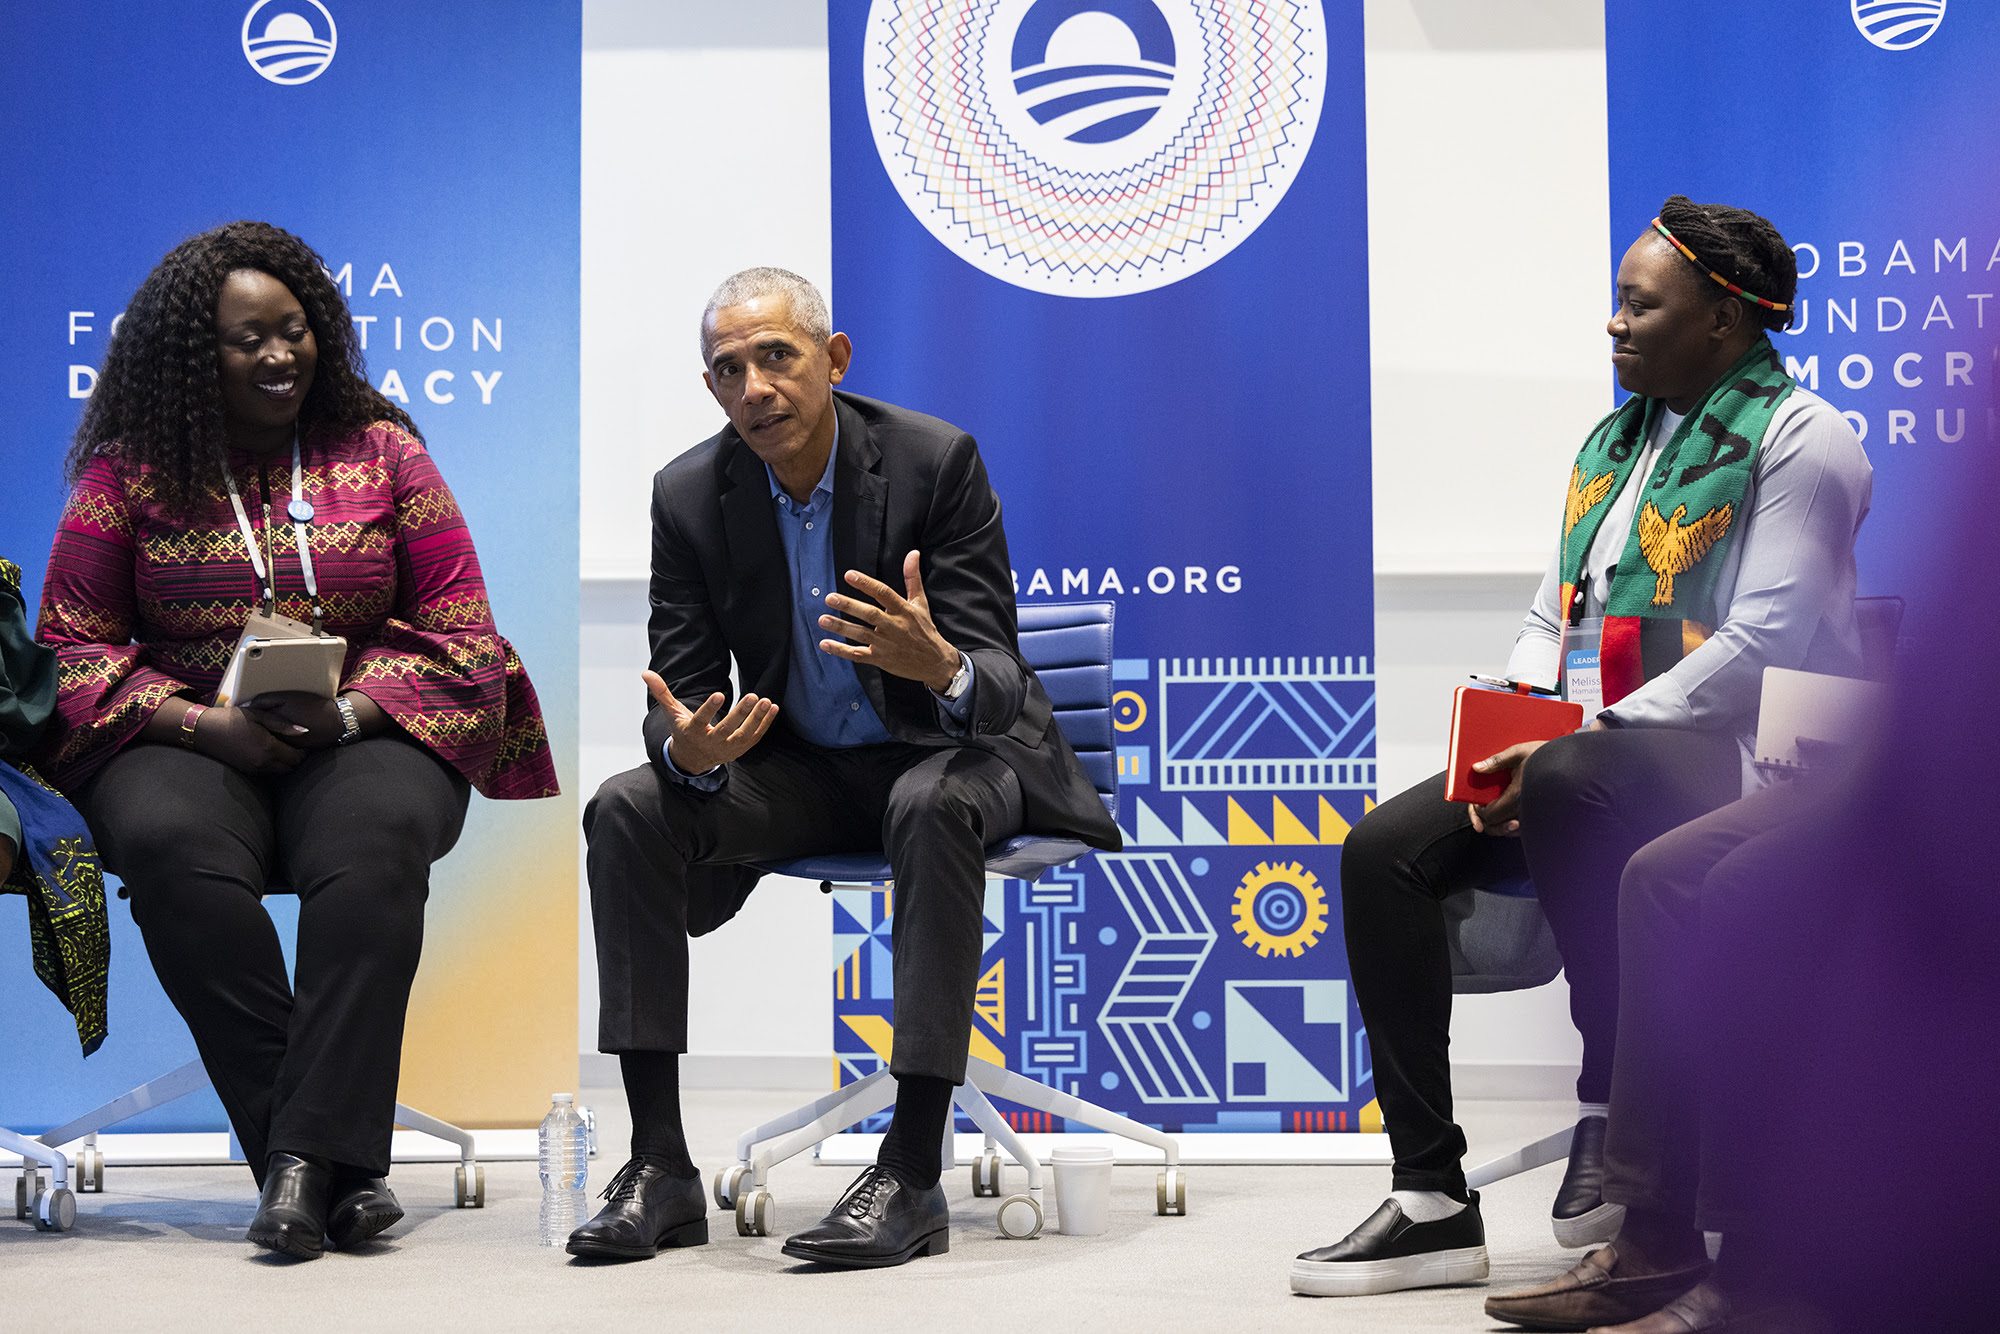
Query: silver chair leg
[53, 1208]
[470, 1183]
[1171, 1188]
[1548, 1149]
[1020, 1216]
[189, 1078]
[742, 1185]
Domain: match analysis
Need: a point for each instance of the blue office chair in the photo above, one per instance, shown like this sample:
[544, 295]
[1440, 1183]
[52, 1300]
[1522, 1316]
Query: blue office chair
[1069, 647]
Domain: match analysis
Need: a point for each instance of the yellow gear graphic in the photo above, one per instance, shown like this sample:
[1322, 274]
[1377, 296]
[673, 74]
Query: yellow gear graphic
[1308, 924]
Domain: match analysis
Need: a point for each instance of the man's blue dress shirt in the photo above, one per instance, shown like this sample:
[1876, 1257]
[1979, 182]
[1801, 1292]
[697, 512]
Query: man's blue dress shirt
[824, 702]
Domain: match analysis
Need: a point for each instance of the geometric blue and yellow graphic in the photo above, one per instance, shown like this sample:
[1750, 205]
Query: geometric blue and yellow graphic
[1195, 979]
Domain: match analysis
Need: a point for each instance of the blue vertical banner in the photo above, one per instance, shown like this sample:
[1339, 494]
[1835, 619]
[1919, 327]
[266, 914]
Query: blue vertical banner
[1124, 244]
[1867, 131]
[430, 154]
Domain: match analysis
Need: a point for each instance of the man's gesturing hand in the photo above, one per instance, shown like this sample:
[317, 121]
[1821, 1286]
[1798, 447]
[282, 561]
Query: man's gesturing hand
[895, 633]
[700, 741]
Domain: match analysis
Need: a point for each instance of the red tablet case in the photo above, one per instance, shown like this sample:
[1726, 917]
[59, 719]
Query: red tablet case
[1486, 722]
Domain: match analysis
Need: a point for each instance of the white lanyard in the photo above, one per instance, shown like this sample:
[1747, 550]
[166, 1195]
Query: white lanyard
[301, 512]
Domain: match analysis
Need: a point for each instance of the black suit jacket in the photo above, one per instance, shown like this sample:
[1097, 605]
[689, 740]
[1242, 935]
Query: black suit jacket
[902, 481]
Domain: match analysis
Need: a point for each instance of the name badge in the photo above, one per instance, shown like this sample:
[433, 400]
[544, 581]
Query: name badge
[1582, 677]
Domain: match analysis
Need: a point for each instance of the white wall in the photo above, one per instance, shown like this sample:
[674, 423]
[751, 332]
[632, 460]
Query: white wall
[1490, 267]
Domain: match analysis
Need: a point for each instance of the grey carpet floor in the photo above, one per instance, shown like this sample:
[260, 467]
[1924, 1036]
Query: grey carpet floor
[162, 1249]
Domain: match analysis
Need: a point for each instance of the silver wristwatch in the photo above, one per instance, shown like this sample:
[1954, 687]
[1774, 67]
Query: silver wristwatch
[352, 731]
[959, 683]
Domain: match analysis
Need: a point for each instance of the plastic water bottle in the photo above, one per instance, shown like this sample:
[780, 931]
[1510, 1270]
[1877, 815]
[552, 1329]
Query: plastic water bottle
[565, 1145]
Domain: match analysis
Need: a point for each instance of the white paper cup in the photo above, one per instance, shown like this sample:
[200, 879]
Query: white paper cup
[1083, 1188]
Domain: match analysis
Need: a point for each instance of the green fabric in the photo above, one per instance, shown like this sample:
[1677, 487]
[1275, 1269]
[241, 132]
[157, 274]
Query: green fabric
[55, 864]
[1686, 520]
[27, 671]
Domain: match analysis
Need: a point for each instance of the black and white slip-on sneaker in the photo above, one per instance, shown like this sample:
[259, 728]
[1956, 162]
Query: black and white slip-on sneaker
[1388, 1253]
[1580, 1216]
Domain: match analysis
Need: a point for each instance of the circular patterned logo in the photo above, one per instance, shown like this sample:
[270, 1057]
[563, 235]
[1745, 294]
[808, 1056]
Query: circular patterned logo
[1093, 148]
[1897, 25]
[289, 47]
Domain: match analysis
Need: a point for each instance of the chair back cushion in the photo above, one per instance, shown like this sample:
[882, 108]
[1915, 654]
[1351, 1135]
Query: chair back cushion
[1069, 646]
[1498, 942]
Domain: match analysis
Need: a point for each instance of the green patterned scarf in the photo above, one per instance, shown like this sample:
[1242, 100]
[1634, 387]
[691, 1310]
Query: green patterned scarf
[56, 866]
[1686, 519]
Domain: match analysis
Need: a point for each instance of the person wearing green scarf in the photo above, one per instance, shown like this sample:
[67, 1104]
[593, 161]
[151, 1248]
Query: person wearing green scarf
[1708, 524]
[46, 853]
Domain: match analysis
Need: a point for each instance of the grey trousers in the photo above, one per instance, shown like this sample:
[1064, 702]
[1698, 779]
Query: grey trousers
[655, 845]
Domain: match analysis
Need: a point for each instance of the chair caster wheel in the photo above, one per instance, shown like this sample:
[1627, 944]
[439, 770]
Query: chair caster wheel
[87, 1167]
[756, 1214]
[475, 1197]
[24, 1192]
[729, 1185]
[55, 1211]
[986, 1176]
[1020, 1217]
[1171, 1191]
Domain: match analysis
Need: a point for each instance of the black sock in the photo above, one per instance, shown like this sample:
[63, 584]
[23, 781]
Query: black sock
[912, 1148]
[653, 1091]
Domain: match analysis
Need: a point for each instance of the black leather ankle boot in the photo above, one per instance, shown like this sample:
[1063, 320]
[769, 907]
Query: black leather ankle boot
[291, 1213]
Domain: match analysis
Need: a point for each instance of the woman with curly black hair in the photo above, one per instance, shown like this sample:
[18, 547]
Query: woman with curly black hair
[233, 460]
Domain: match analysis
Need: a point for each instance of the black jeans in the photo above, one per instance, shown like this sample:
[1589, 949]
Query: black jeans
[933, 810]
[1588, 802]
[352, 831]
[1674, 1145]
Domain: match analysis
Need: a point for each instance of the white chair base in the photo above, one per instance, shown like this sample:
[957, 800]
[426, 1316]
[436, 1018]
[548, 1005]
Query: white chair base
[743, 1186]
[53, 1207]
[192, 1078]
[1549, 1149]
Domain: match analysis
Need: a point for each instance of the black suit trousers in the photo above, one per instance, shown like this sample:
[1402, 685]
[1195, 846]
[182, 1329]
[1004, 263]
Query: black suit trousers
[934, 810]
[1588, 802]
[305, 1064]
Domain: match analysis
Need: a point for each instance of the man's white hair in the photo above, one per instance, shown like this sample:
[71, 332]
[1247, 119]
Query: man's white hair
[802, 299]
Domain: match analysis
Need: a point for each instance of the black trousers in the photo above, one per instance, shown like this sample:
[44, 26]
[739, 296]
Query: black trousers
[1669, 1148]
[311, 1068]
[1588, 802]
[933, 810]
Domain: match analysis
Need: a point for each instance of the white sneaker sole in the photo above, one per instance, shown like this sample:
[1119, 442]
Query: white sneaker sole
[1599, 1225]
[1360, 1278]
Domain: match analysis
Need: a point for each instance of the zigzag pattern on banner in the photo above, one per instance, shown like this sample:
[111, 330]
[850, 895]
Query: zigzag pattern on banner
[1175, 937]
[1269, 723]
[1286, 829]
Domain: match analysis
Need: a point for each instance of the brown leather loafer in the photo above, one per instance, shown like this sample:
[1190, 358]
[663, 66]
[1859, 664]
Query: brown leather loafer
[1590, 1294]
[1702, 1309]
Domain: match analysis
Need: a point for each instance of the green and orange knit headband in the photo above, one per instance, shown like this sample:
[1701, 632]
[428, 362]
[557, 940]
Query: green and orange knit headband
[1695, 260]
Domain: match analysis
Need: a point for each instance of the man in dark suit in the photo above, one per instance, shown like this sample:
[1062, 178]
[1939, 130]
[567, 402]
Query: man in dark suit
[871, 719]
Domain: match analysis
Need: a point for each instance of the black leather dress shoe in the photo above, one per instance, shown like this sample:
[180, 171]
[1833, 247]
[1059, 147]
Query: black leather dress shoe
[1580, 1216]
[1388, 1253]
[649, 1208]
[362, 1207]
[291, 1213]
[878, 1223]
